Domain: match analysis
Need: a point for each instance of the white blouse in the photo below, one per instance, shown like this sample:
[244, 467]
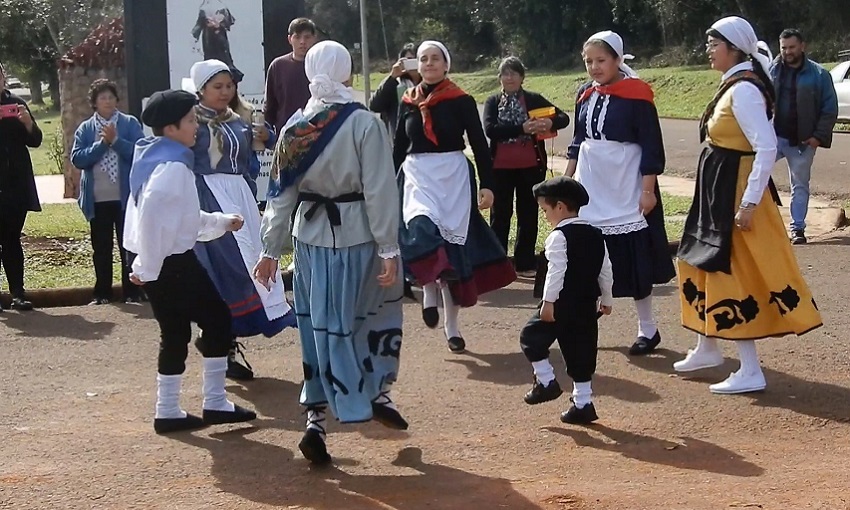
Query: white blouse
[168, 220]
[749, 107]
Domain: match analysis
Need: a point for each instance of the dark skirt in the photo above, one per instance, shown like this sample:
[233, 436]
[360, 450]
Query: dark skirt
[478, 266]
[638, 263]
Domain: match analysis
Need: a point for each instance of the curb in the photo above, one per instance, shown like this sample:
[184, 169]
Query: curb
[81, 296]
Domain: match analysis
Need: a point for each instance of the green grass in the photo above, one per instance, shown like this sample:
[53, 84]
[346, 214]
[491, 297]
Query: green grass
[57, 249]
[50, 122]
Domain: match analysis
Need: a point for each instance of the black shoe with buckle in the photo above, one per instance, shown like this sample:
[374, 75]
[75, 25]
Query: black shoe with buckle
[798, 237]
[644, 345]
[540, 393]
[236, 370]
[584, 416]
[21, 304]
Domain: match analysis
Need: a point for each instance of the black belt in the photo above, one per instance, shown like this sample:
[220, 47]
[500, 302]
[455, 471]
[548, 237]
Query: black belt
[330, 205]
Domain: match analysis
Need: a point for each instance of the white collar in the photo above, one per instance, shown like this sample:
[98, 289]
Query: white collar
[743, 66]
[569, 221]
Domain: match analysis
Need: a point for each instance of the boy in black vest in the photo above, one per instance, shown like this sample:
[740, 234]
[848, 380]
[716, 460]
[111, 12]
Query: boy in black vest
[576, 293]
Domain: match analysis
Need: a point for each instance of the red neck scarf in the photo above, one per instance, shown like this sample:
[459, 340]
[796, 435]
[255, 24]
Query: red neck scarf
[627, 88]
[444, 91]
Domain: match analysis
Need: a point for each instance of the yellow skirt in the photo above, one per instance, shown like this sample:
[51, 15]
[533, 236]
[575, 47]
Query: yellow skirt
[765, 296]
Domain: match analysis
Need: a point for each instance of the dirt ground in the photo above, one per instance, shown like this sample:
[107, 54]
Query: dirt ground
[77, 396]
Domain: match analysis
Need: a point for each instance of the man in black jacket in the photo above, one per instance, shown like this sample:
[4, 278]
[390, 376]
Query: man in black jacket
[18, 194]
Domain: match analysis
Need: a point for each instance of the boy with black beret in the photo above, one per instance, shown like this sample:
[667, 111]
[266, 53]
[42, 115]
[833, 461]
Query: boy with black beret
[163, 222]
[577, 291]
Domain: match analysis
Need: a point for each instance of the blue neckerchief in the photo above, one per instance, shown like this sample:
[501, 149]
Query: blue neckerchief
[151, 152]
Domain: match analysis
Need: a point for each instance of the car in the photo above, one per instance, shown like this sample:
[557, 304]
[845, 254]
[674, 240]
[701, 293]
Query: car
[841, 80]
[13, 83]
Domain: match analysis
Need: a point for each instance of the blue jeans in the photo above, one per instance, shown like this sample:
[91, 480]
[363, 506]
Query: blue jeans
[799, 159]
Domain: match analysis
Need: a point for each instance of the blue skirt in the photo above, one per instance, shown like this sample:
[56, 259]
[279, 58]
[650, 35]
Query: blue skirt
[350, 328]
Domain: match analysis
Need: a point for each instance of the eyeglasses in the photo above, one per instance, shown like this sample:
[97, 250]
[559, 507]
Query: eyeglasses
[712, 45]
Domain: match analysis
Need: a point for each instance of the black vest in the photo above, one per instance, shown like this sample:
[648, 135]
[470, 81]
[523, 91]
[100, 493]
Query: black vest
[585, 254]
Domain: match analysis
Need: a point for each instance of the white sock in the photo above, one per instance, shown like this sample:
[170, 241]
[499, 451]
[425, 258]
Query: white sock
[647, 327]
[749, 357]
[582, 394]
[384, 399]
[450, 313]
[706, 344]
[543, 371]
[168, 396]
[429, 295]
[316, 420]
[215, 373]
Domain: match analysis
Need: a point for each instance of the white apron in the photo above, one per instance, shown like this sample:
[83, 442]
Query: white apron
[436, 185]
[234, 197]
[610, 171]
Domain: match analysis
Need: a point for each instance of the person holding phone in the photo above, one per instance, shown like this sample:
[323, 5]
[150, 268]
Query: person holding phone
[404, 75]
[18, 194]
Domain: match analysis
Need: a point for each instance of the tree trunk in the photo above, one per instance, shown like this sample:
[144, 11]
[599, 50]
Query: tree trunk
[53, 81]
[36, 97]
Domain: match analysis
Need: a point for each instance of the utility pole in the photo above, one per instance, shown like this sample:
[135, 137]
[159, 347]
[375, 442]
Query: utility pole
[364, 51]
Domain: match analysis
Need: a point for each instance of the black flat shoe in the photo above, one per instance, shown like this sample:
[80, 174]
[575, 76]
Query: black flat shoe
[313, 448]
[235, 370]
[238, 415]
[21, 304]
[388, 417]
[168, 425]
[431, 316]
[539, 393]
[644, 345]
[457, 345]
[584, 416]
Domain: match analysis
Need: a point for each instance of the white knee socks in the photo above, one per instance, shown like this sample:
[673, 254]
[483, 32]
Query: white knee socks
[749, 357]
[215, 372]
[582, 394]
[706, 344]
[168, 396]
[429, 295]
[647, 327]
[543, 371]
[450, 313]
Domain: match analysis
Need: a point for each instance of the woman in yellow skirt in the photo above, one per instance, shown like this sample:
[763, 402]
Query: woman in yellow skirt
[738, 277]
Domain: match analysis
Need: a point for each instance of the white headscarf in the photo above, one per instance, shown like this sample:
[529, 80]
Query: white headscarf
[201, 73]
[739, 32]
[328, 65]
[616, 43]
[440, 46]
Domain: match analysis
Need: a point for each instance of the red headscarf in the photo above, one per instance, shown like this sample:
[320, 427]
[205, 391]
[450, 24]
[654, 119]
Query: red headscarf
[444, 91]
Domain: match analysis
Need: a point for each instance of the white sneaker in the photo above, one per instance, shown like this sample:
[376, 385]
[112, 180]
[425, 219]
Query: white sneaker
[737, 382]
[698, 359]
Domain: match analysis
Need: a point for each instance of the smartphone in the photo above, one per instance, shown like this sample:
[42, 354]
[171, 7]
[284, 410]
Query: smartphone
[411, 64]
[8, 110]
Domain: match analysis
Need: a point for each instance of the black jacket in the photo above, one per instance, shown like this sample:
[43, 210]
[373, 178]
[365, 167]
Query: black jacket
[497, 133]
[17, 183]
[385, 102]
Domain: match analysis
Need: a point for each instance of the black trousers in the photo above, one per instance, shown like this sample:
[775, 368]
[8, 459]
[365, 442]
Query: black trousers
[577, 333]
[506, 184]
[11, 251]
[183, 294]
[107, 224]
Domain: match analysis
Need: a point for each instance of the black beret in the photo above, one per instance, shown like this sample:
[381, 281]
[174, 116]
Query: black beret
[167, 107]
[562, 187]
